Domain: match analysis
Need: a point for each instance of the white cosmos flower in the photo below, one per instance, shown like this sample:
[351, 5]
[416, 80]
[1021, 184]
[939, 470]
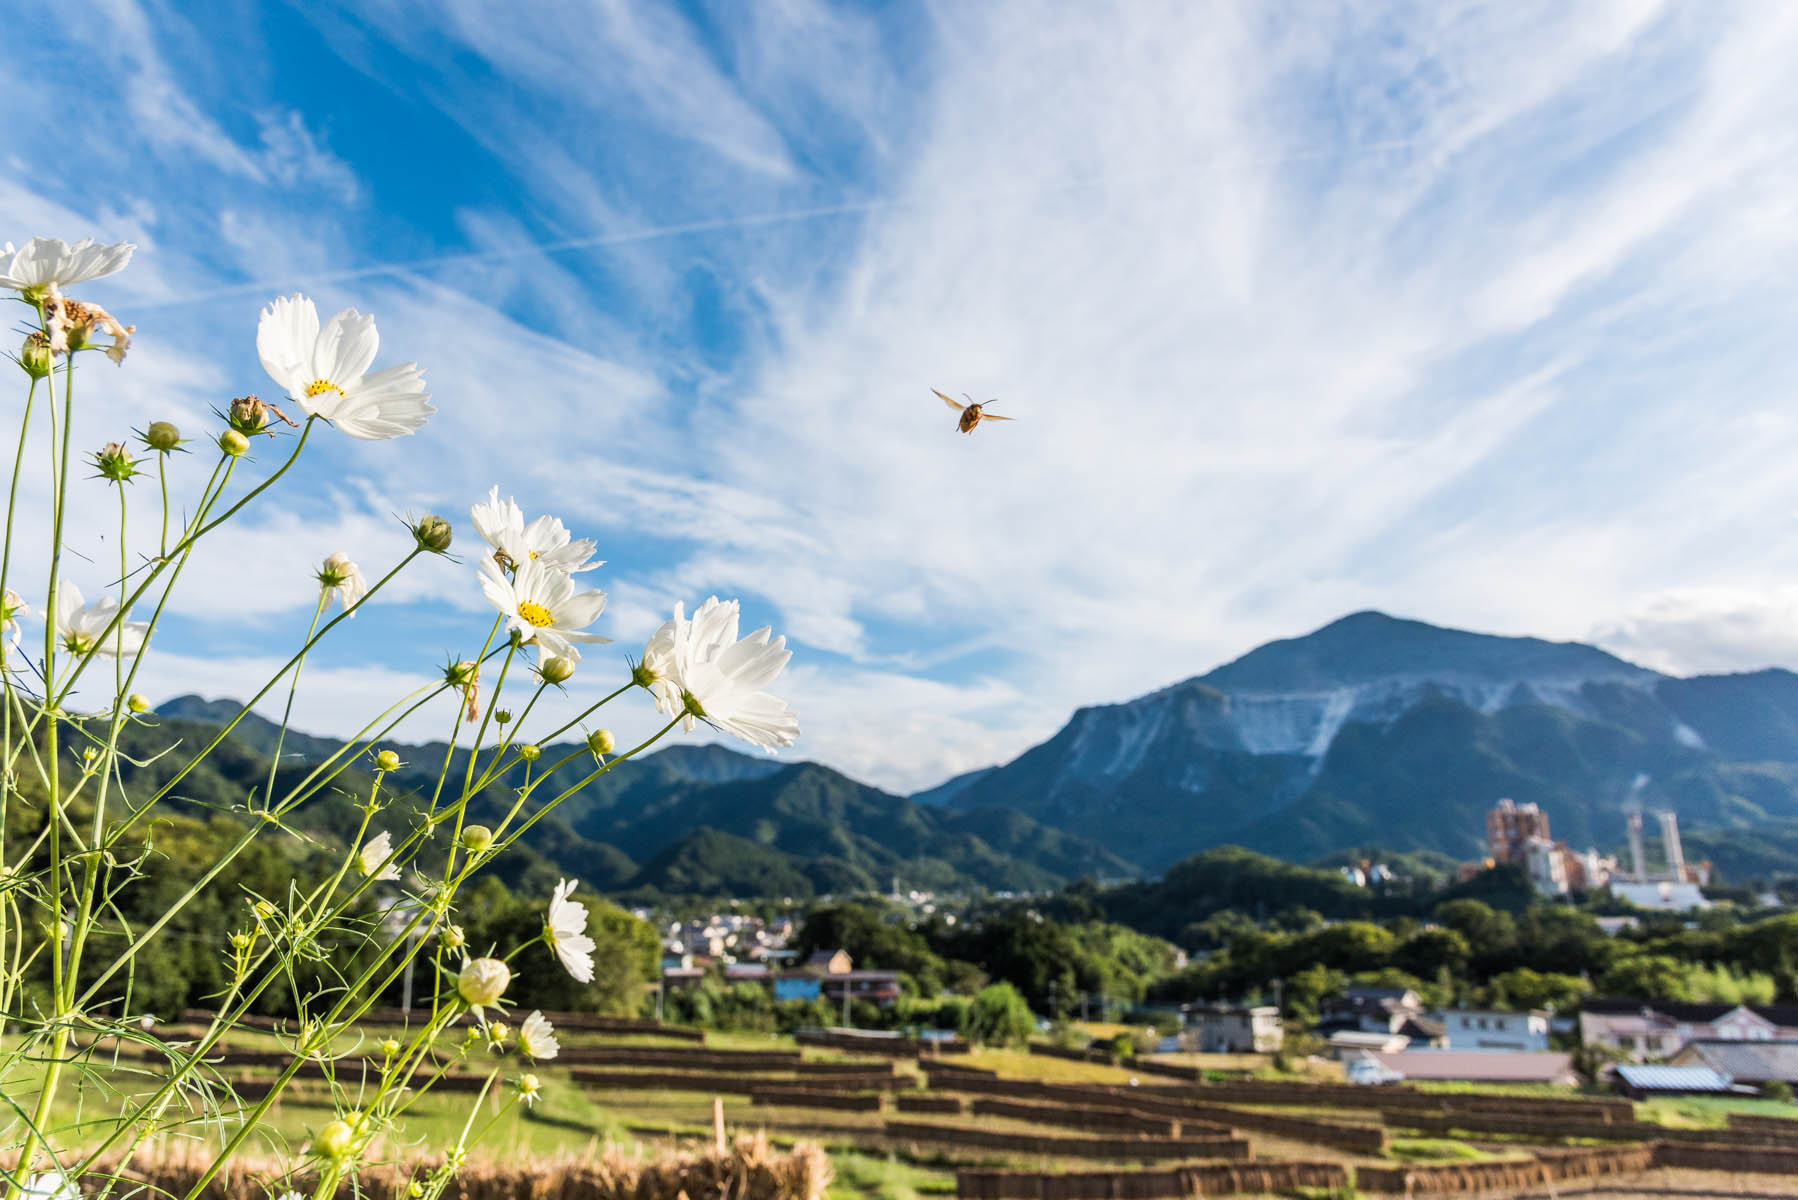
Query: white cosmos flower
[501, 525]
[537, 1037]
[82, 628]
[326, 370]
[345, 578]
[49, 264]
[566, 932]
[12, 607]
[49, 1185]
[541, 603]
[374, 852]
[704, 670]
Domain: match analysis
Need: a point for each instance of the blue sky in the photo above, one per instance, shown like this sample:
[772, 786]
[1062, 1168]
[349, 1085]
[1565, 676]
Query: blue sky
[1475, 313]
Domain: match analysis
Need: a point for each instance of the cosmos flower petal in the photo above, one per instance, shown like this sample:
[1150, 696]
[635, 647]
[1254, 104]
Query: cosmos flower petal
[347, 348]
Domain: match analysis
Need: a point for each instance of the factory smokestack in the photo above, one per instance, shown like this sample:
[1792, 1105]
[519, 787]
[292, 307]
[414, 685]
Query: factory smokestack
[1676, 856]
[1638, 866]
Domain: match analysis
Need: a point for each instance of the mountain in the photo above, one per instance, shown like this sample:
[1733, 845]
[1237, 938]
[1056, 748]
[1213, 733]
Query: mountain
[942, 793]
[1379, 730]
[685, 818]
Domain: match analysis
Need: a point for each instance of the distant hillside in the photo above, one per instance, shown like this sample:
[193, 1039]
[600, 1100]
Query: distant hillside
[696, 819]
[1377, 730]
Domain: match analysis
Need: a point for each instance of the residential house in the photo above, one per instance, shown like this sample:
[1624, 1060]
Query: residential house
[1493, 1029]
[1482, 1066]
[831, 962]
[1742, 1062]
[682, 977]
[1646, 1029]
[1643, 1083]
[876, 987]
[1380, 1010]
[1235, 1028]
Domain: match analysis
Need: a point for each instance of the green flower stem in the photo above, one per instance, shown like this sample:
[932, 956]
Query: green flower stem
[91, 867]
[16, 929]
[199, 531]
[162, 478]
[461, 810]
[256, 1116]
[449, 753]
[354, 747]
[551, 805]
[510, 737]
[59, 1038]
[293, 688]
[269, 686]
[554, 734]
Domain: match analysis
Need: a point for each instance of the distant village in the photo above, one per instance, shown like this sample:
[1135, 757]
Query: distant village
[1378, 1034]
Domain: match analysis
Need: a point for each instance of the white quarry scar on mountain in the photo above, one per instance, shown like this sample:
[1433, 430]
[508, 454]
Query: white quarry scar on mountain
[1119, 740]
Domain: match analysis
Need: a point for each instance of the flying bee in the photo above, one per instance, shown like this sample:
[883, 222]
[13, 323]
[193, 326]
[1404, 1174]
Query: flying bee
[971, 413]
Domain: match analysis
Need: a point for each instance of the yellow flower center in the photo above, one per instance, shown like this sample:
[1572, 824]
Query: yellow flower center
[318, 386]
[535, 613]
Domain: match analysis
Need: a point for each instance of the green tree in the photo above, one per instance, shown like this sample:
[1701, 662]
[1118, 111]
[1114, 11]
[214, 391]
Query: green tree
[1429, 951]
[998, 1016]
[1524, 989]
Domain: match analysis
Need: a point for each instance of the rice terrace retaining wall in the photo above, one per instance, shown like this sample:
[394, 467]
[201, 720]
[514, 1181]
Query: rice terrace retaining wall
[1125, 1149]
[1204, 1179]
[737, 1085]
[1185, 1105]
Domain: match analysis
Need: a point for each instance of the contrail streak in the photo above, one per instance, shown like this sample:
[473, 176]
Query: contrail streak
[689, 228]
[529, 250]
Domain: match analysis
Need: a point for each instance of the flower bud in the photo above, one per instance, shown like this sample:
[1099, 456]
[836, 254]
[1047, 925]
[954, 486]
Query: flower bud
[482, 981]
[335, 571]
[335, 1141]
[415, 1189]
[477, 838]
[114, 462]
[432, 533]
[162, 436]
[461, 674]
[600, 741]
[390, 1047]
[529, 752]
[642, 676]
[264, 910]
[454, 938]
[34, 356]
[555, 669]
[528, 1087]
[358, 1121]
[137, 702]
[234, 444]
[241, 941]
[387, 760]
[248, 414]
[503, 715]
[497, 1033]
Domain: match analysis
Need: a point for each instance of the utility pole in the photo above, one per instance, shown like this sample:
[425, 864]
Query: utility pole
[847, 1022]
